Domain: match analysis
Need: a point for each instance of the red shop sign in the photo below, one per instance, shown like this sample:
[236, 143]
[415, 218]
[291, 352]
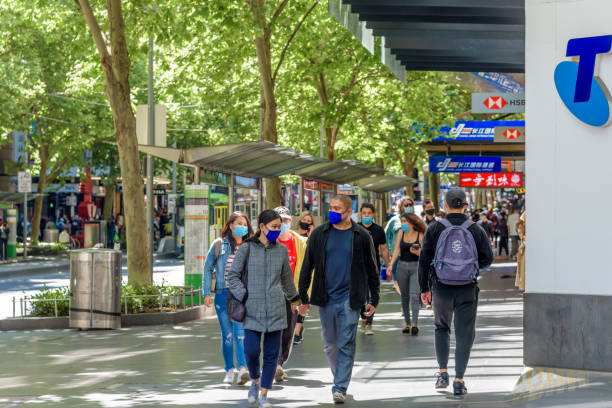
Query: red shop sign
[491, 180]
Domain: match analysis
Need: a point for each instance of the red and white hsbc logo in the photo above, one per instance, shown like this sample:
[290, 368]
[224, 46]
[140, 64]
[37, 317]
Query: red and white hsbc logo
[512, 134]
[495, 102]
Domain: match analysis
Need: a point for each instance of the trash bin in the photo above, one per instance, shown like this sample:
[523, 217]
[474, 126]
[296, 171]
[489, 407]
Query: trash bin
[91, 234]
[50, 235]
[95, 289]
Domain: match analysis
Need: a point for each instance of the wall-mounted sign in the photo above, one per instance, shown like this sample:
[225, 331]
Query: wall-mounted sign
[583, 93]
[500, 81]
[476, 130]
[491, 180]
[464, 164]
[498, 102]
[508, 134]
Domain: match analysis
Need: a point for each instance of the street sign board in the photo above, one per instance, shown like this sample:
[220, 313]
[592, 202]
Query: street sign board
[491, 180]
[509, 134]
[476, 130]
[142, 125]
[171, 203]
[498, 102]
[24, 182]
[464, 164]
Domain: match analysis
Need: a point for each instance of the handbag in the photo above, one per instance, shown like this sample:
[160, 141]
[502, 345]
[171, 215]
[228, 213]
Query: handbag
[235, 308]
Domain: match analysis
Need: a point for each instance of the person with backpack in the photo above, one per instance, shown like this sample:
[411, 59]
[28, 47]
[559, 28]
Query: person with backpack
[263, 291]
[454, 249]
[220, 258]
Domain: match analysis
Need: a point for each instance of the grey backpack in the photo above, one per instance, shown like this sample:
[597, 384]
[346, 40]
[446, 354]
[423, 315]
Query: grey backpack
[456, 258]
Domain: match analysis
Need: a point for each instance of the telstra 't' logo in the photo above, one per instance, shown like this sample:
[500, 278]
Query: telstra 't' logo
[584, 94]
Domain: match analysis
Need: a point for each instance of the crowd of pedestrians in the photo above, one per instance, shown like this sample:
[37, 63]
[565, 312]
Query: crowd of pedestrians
[278, 273]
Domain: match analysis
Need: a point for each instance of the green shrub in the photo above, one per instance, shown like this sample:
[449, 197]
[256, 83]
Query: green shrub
[42, 308]
[47, 249]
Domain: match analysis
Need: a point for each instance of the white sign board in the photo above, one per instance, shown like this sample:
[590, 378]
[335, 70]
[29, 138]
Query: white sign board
[24, 182]
[142, 125]
[498, 102]
[171, 203]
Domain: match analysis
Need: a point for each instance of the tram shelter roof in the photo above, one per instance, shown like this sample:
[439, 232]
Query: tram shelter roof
[383, 184]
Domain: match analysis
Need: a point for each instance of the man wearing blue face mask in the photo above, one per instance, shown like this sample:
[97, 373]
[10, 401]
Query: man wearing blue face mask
[380, 247]
[341, 253]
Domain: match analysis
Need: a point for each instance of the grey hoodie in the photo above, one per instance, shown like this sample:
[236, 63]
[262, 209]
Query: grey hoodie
[270, 282]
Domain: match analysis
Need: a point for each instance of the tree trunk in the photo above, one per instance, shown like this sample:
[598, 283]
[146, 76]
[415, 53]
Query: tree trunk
[408, 166]
[434, 189]
[109, 201]
[43, 151]
[116, 68]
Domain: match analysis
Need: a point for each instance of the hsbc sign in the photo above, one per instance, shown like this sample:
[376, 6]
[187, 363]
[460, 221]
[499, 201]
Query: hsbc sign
[498, 102]
[509, 134]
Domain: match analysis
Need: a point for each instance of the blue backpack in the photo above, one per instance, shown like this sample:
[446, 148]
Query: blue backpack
[456, 258]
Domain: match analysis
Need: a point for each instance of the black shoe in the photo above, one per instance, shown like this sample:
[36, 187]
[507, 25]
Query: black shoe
[297, 339]
[442, 380]
[459, 388]
[414, 331]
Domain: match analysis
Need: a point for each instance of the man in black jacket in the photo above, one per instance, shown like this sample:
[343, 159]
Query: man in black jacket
[345, 271]
[461, 301]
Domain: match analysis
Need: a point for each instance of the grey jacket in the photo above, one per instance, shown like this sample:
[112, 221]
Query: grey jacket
[270, 282]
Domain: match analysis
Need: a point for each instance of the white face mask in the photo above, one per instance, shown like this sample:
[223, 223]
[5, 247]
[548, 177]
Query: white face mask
[285, 228]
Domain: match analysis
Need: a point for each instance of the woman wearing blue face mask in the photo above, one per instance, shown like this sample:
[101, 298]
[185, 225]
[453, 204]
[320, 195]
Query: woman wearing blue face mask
[269, 283]
[407, 250]
[220, 257]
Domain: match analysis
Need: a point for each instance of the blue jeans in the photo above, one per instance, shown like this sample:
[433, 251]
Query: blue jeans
[339, 330]
[231, 332]
[272, 344]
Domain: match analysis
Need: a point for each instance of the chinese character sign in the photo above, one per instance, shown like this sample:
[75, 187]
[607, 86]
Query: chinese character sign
[464, 164]
[491, 180]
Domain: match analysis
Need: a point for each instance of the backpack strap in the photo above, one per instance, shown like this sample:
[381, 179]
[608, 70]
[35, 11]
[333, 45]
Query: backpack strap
[445, 222]
[467, 224]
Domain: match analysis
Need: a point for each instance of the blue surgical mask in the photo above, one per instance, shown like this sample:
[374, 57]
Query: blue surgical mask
[272, 235]
[405, 227]
[334, 217]
[366, 220]
[240, 231]
[285, 228]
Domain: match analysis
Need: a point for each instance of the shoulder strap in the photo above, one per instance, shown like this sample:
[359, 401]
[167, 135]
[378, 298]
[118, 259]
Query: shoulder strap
[445, 222]
[467, 224]
[217, 248]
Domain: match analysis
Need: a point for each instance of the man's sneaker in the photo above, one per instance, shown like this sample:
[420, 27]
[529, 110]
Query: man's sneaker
[339, 397]
[459, 388]
[407, 329]
[442, 381]
[253, 392]
[263, 402]
[243, 376]
[297, 339]
[368, 330]
[229, 377]
[280, 374]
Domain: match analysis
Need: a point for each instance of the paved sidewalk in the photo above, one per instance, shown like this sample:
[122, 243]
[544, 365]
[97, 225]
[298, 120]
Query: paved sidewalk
[182, 365]
[33, 264]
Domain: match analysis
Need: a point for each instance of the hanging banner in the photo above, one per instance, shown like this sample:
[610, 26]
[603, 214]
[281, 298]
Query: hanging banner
[491, 180]
[476, 130]
[464, 164]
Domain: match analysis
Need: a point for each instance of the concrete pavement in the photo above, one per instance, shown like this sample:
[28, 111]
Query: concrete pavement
[182, 365]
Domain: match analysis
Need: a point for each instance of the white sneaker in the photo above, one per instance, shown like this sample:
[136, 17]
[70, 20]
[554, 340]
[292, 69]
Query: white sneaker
[229, 377]
[243, 376]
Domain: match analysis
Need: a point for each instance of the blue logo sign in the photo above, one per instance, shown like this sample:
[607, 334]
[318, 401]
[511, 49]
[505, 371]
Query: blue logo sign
[584, 94]
[464, 164]
[476, 130]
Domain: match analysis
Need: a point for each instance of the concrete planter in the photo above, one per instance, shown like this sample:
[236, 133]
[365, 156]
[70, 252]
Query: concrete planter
[130, 320]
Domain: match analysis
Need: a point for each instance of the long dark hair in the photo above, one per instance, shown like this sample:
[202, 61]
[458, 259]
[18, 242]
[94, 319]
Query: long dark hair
[416, 222]
[227, 230]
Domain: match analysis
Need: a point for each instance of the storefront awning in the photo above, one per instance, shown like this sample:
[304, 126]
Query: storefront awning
[383, 184]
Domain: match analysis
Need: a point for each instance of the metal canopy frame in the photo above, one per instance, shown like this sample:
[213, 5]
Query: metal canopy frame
[17, 198]
[265, 159]
[440, 35]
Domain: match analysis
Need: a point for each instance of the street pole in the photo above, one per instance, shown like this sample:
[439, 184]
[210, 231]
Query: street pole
[25, 225]
[175, 208]
[151, 142]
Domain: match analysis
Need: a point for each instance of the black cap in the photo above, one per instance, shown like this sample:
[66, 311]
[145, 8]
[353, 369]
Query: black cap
[456, 198]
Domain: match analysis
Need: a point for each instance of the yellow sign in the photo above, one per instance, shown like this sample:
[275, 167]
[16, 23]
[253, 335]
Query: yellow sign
[520, 190]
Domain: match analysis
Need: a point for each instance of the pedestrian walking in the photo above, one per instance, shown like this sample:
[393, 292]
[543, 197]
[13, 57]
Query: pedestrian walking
[219, 259]
[269, 285]
[4, 233]
[487, 226]
[305, 225]
[380, 247]
[341, 253]
[296, 248]
[407, 250]
[453, 250]
[430, 212]
[513, 219]
[406, 205]
[503, 235]
[520, 256]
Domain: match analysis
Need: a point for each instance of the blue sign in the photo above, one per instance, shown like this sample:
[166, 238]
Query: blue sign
[464, 164]
[500, 81]
[583, 94]
[476, 130]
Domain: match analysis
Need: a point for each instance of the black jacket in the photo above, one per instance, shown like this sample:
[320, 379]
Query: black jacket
[364, 272]
[430, 242]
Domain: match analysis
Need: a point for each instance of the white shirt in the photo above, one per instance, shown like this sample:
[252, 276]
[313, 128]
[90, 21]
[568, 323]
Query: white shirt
[512, 220]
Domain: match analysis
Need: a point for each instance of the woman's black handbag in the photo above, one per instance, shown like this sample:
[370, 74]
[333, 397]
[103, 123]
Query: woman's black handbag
[235, 308]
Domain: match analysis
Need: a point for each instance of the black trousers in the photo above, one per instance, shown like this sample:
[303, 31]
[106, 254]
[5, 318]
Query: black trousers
[462, 302]
[3, 248]
[503, 244]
